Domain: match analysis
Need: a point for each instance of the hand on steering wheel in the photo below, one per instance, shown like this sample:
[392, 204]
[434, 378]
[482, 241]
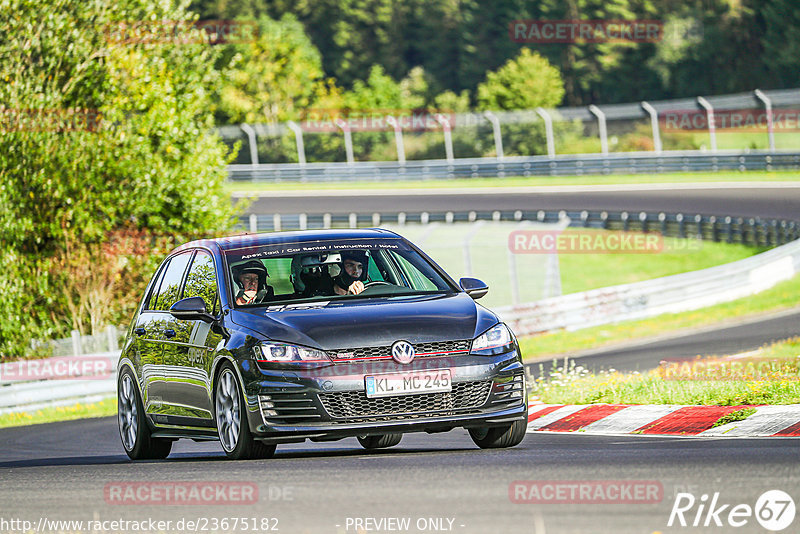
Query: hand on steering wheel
[376, 283]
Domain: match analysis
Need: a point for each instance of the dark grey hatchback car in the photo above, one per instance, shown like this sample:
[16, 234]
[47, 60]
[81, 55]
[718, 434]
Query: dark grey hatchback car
[263, 339]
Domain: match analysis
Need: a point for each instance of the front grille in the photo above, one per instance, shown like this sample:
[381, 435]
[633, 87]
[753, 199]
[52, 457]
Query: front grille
[436, 348]
[287, 408]
[355, 404]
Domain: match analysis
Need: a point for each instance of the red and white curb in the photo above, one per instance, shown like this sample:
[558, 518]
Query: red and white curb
[674, 420]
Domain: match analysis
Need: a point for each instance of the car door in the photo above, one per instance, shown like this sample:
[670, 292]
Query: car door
[149, 331]
[162, 325]
[189, 355]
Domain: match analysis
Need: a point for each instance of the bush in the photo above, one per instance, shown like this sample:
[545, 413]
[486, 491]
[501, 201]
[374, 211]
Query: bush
[101, 137]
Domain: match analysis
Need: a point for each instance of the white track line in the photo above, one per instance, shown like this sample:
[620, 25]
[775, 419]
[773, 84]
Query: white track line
[488, 190]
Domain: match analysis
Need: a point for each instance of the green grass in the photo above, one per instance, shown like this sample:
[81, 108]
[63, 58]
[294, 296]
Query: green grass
[581, 272]
[782, 296]
[520, 181]
[62, 413]
[738, 415]
[572, 384]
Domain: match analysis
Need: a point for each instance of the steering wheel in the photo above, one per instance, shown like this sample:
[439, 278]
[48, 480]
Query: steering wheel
[376, 283]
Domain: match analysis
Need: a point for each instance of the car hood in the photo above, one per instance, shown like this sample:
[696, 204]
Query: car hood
[339, 324]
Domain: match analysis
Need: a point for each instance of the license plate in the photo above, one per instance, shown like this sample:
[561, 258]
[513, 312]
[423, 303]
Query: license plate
[409, 383]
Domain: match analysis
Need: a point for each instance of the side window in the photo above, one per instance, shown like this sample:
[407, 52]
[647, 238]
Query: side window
[202, 280]
[169, 291]
[417, 279]
[151, 300]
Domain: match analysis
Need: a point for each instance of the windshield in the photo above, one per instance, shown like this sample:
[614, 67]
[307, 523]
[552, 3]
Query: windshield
[365, 268]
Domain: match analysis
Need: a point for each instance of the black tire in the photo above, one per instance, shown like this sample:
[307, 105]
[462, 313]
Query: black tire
[230, 415]
[501, 436]
[132, 421]
[380, 442]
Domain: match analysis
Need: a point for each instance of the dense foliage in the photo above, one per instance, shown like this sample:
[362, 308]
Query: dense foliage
[105, 147]
[709, 46]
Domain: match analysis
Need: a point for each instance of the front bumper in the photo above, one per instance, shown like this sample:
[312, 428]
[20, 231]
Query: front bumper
[331, 403]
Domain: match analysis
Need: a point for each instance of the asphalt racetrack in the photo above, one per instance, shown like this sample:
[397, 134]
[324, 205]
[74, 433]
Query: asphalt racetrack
[442, 483]
[430, 483]
[781, 200]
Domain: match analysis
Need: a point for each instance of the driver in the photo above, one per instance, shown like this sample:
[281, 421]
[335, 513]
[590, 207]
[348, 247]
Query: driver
[354, 272]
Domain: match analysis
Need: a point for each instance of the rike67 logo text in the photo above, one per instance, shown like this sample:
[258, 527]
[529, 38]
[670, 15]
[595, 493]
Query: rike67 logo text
[774, 510]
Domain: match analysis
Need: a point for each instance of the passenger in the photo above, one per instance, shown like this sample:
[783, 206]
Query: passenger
[252, 281]
[310, 277]
[350, 280]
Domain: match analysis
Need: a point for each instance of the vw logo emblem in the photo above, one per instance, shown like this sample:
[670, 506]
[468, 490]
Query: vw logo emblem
[403, 352]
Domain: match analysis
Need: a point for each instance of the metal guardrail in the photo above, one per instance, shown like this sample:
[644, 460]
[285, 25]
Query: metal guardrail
[567, 165]
[671, 294]
[30, 385]
[752, 231]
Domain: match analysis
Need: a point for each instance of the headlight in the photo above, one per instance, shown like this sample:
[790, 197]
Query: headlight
[282, 353]
[497, 340]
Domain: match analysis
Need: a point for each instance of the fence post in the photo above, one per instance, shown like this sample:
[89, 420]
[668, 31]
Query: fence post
[398, 139]
[548, 129]
[298, 138]
[714, 229]
[712, 128]
[276, 222]
[111, 336]
[76, 343]
[729, 228]
[448, 138]
[252, 140]
[498, 136]
[466, 246]
[253, 223]
[770, 127]
[654, 124]
[348, 140]
[512, 275]
[681, 232]
[601, 123]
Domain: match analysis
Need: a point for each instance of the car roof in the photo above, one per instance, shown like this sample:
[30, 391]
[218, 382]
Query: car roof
[303, 236]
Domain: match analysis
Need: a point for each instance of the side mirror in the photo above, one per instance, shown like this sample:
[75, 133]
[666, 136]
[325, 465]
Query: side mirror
[191, 309]
[473, 287]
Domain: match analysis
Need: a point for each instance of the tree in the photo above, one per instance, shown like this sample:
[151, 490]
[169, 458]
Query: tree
[103, 133]
[275, 76]
[526, 82]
